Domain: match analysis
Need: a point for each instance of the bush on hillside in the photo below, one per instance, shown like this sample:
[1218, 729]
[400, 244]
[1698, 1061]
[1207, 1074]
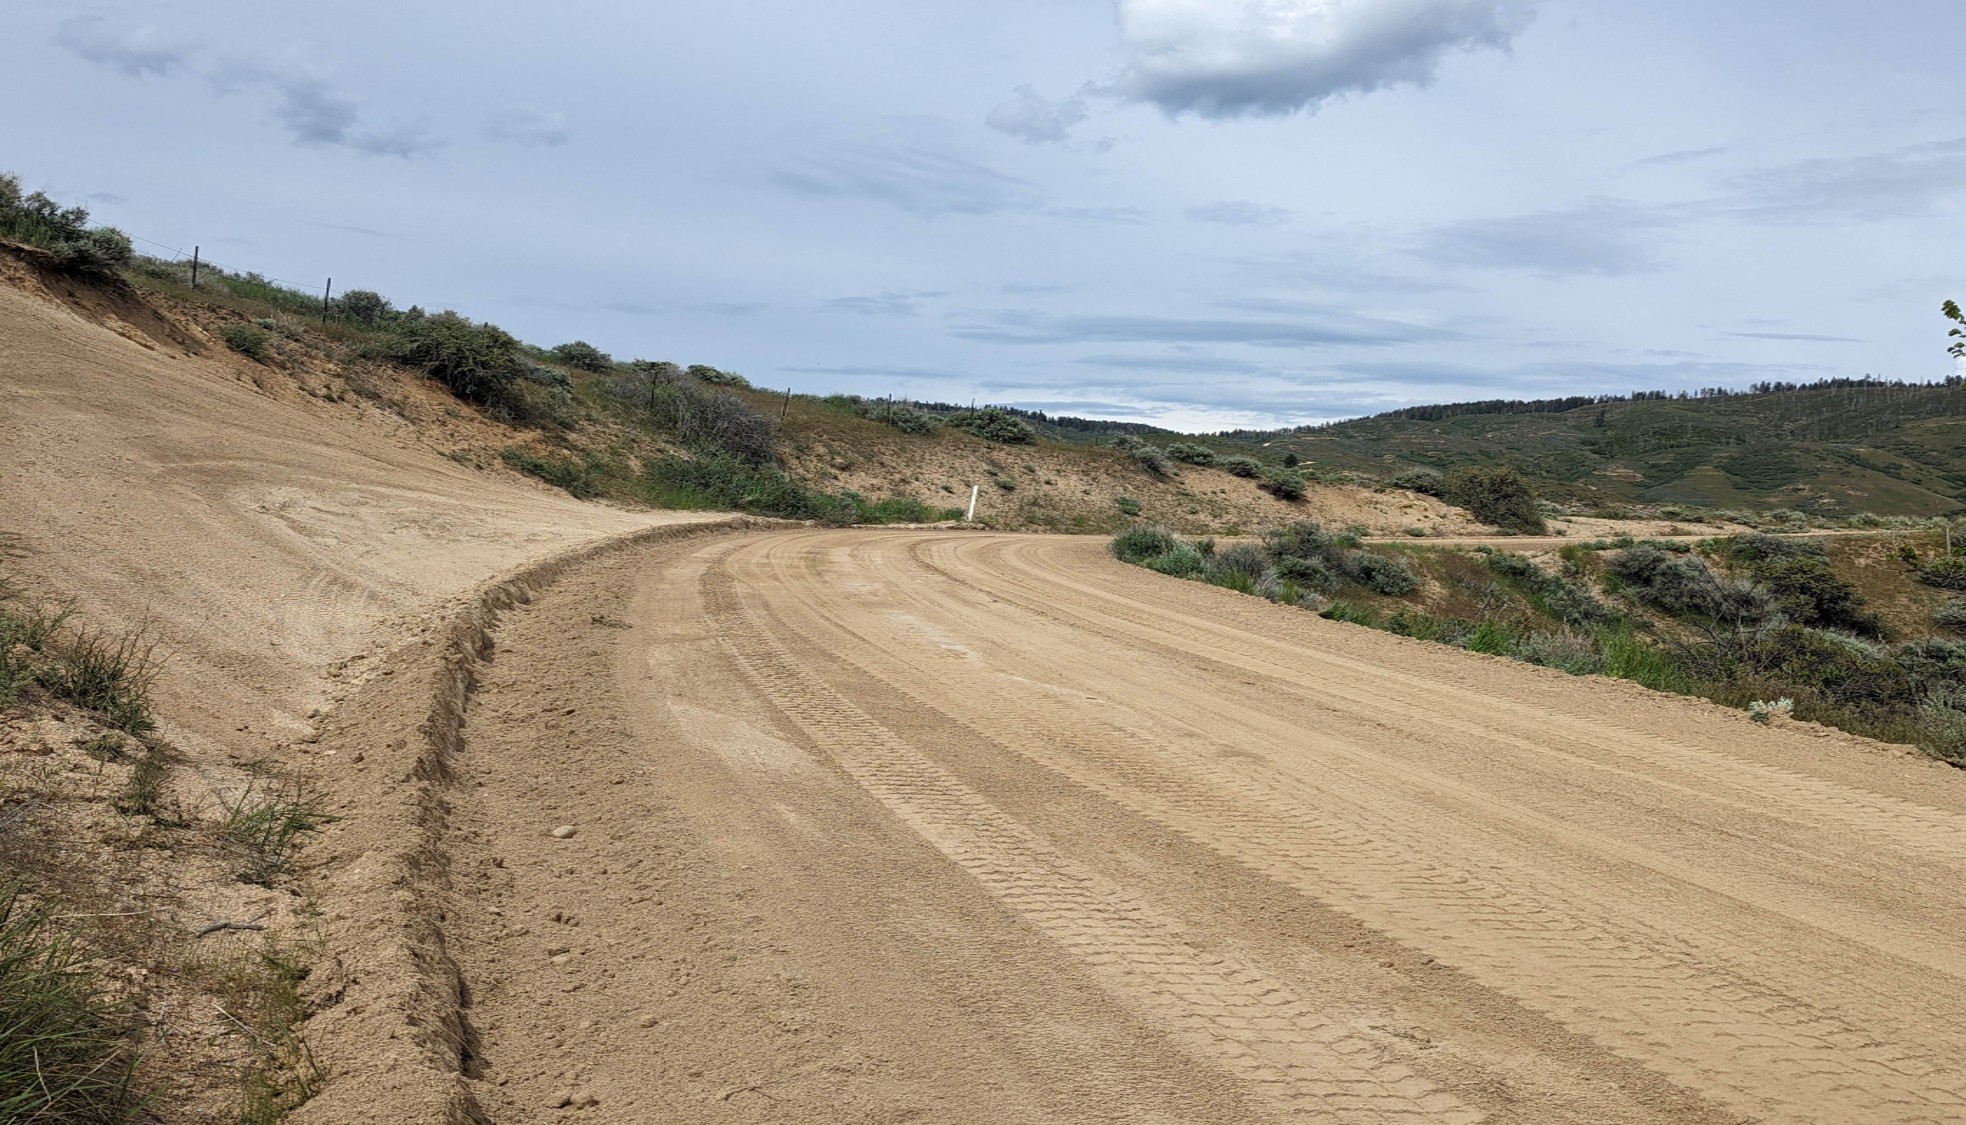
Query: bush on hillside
[1190, 454]
[723, 480]
[365, 307]
[994, 423]
[63, 231]
[701, 417]
[1951, 615]
[1138, 544]
[247, 340]
[1246, 467]
[1282, 484]
[1497, 497]
[477, 362]
[1947, 573]
[717, 377]
[1383, 574]
[1809, 592]
[1686, 587]
[583, 356]
[1426, 482]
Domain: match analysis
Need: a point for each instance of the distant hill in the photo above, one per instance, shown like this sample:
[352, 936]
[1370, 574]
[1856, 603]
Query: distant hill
[1835, 447]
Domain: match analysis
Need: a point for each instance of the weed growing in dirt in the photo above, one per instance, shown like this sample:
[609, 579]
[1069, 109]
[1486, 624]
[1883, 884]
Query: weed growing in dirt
[266, 826]
[66, 1054]
[109, 674]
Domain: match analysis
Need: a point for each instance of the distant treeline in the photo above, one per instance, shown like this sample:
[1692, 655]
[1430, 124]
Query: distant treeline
[1443, 411]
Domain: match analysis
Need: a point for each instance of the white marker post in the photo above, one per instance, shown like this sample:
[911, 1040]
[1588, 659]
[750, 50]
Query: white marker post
[973, 489]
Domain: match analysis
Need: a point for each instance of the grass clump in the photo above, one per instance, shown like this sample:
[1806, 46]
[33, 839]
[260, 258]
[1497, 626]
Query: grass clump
[265, 826]
[66, 1054]
[1127, 505]
[247, 340]
[1951, 615]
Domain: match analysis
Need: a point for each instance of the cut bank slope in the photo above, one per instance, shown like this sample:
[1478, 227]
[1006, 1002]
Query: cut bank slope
[263, 534]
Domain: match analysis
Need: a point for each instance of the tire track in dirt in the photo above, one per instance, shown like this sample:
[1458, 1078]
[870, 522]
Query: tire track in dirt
[1226, 1012]
[1613, 974]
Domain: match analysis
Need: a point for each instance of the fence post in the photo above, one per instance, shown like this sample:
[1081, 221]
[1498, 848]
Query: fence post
[327, 293]
[783, 410]
[973, 490]
[194, 267]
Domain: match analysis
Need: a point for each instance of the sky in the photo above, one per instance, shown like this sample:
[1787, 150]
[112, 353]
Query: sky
[1202, 214]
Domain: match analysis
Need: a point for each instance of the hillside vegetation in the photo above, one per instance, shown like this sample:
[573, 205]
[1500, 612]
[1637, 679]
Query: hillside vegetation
[1827, 450]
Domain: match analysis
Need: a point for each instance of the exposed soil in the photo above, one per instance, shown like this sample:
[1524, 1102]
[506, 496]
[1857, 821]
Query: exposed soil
[935, 826]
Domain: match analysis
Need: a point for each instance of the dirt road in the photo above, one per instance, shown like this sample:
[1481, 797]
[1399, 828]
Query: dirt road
[930, 826]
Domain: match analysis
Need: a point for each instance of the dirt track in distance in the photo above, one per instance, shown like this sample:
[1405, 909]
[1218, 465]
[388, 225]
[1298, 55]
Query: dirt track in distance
[888, 826]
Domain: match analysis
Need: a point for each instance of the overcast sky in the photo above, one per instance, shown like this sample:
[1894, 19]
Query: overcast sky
[1201, 213]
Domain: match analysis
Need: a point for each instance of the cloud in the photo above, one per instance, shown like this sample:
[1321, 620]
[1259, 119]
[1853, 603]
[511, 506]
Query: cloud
[881, 304]
[1255, 58]
[522, 125]
[1907, 182]
[1803, 336]
[1035, 119]
[1131, 216]
[315, 115]
[916, 180]
[1681, 156]
[1184, 364]
[1238, 212]
[1324, 329]
[134, 51]
[1603, 237]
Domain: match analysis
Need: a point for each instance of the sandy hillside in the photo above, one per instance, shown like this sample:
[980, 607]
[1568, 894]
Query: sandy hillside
[266, 534]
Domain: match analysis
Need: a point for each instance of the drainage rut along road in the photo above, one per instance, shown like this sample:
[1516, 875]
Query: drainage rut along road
[926, 826]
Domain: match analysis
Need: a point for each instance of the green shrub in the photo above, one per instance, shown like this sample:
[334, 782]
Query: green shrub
[994, 423]
[1943, 718]
[1951, 615]
[265, 827]
[1128, 506]
[1383, 575]
[1190, 454]
[477, 362]
[247, 340]
[1687, 587]
[583, 356]
[1184, 560]
[1246, 467]
[1282, 484]
[63, 231]
[66, 1054]
[1947, 573]
[579, 477]
[1498, 497]
[716, 377]
[365, 307]
[1138, 544]
[1427, 482]
[1567, 650]
[724, 481]
[1805, 588]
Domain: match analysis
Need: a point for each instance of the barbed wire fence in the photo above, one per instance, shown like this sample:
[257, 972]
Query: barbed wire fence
[198, 262]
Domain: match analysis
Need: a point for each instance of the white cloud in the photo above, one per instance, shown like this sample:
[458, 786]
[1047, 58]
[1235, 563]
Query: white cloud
[1252, 58]
[1033, 118]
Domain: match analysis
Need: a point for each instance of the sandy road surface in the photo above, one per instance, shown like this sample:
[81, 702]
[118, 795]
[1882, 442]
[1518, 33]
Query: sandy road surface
[918, 826]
